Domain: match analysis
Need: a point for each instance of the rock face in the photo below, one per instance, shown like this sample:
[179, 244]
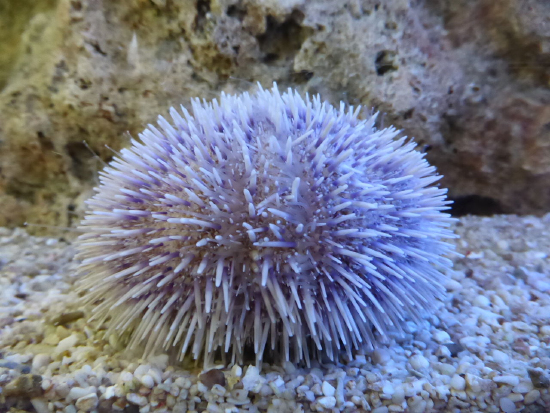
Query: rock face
[469, 80]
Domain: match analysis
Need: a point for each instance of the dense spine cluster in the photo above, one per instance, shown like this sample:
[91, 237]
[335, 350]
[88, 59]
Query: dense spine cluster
[266, 220]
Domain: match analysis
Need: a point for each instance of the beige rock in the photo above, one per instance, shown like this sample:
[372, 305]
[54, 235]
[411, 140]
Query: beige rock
[74, 71]
[87, 403]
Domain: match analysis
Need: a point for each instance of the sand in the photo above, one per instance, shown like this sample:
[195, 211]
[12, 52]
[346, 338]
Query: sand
[486, 349]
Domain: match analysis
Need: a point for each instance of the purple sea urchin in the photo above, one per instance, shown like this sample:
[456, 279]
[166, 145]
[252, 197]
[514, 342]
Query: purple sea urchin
[264, 219]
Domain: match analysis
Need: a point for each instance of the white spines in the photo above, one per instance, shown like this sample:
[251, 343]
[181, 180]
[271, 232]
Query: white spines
[264, 220]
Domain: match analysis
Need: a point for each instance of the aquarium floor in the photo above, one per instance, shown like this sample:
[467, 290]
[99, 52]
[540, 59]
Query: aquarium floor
[486, 349]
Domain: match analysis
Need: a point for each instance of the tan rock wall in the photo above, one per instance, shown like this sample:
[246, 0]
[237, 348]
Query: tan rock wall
[468, 79]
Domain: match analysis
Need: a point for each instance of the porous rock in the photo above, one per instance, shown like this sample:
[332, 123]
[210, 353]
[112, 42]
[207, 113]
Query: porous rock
[469, 80]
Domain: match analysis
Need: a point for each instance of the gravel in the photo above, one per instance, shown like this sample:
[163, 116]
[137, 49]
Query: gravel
[487, 348]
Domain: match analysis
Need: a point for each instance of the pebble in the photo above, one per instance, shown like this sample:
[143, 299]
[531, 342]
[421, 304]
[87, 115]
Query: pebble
[160, 361]
[109, 392]
[441, 336]
[507, 405]
[328, 402]
[388, 389]
[87, 403]
[78, 392]
[252, 381]
[136, 399]
[218, 390]
[328, 389]
[531, 397]
[419, 362]
[156, 374]
[381, 356]
[500, 357]
[41, 405]
[417, 405]
[289, 367]
[39, 361]
[523, 387]
[51, 339]
[473, 382]
[510, 380]
[458, 383]
[482, 301]
[29, 385]
[141, 370]
[398, 395]
[126, 376]
[211, 377]
[237, 370]
[539, 378]
[515, 397]
[446, 369]
[66, 344]
[67, 317]
[147, 381]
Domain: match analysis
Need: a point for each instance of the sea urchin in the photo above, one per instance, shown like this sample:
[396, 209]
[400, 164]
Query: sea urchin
[266, 220]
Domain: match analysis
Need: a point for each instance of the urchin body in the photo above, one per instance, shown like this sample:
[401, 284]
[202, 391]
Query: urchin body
[264, 219]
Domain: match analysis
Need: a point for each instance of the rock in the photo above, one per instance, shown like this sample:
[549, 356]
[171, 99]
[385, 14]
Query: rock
[65, 318]
[419, 362]
[160, 361]
[539, 378]
[532, 397]
[147, 381]
[508, 379]
[328, 402]
[446, 369]
[289, 367]
[51, 339]
[212, 377]
[441, 336]
[40, 405]
[39, 361]
[66, 344]
[500, 357]
[136, 399]
[523, 387]
[6, 321]
[218, 390]
[473, 382]
[483, 118]
[79, 392]
[388, 389]
[458, 383]
[454, 348]
[109, 392]
[29, 385]
[239, 396]
[87, 403]
[481, 301]
[236, 371]
[9, 364]
[380, 356]
[252, 381]
[328, 389]
[72, 409]
[507, 405]
[417, 405]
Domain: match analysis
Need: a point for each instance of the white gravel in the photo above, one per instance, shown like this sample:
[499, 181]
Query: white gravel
[486, 349]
